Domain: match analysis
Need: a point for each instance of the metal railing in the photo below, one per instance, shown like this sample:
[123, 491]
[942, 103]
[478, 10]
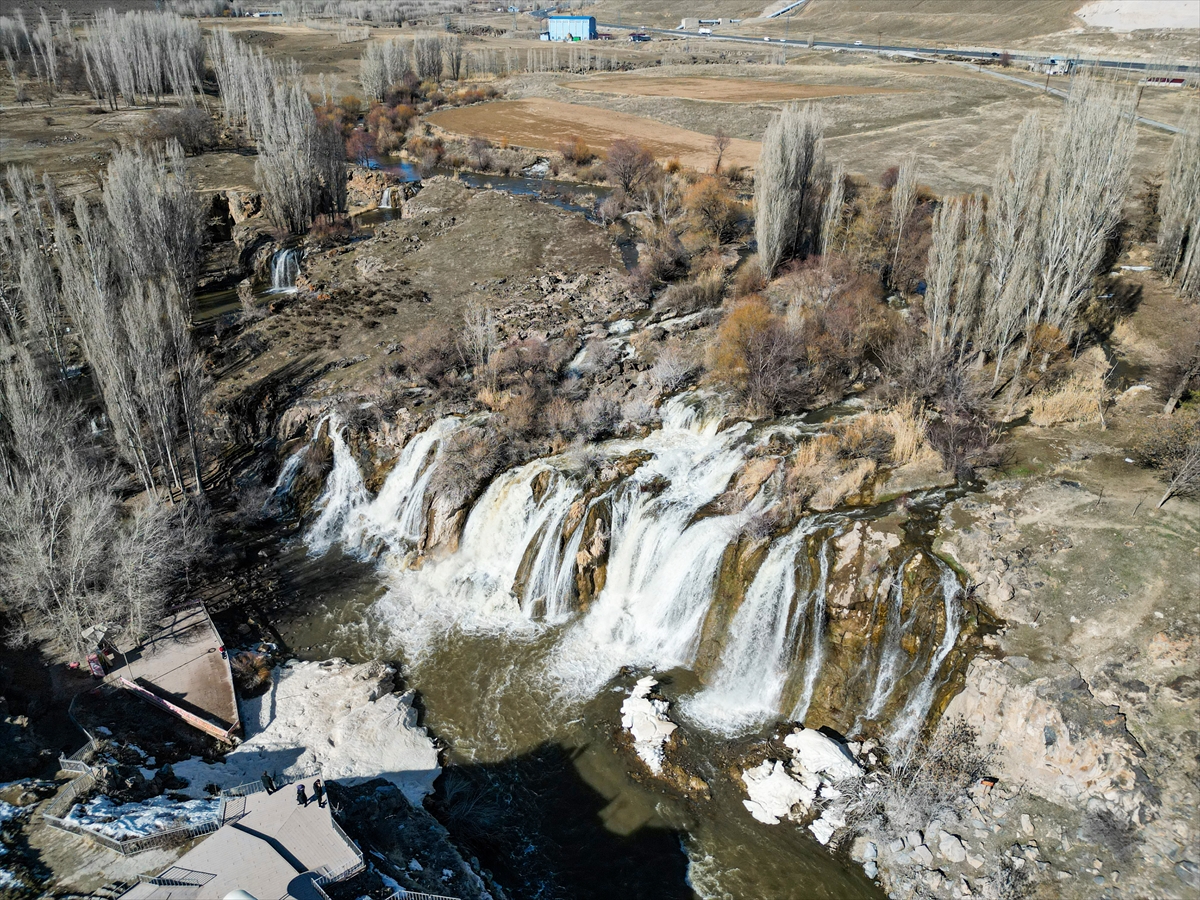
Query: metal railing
[256, 787]
[56, 811]
[78, 761]
[177, 876]
[403, 894]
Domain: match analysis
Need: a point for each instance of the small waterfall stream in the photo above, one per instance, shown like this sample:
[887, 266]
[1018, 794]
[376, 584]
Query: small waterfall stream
[289, 470]
[285, 269]
[385, 202]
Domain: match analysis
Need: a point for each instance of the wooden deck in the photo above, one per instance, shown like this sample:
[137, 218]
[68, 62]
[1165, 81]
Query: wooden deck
[182, 664]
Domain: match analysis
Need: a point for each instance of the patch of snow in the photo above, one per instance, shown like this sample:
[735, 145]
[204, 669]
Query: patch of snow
[390, 883]
[646, 719]
[333, 715]
[141, 819]
[821, 755]
[8, 812]
[774, 793]
[833, 818]
[1134, 15]
[148, 774]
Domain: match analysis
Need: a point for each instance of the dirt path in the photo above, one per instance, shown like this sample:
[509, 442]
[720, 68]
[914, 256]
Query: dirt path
[543, 124]
[720, 90]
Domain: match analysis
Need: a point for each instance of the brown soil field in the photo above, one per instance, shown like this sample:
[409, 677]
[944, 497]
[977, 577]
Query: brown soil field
[720, 90]
[543, 124]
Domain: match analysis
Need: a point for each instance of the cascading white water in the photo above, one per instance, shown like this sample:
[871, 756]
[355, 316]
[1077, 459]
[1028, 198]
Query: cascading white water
[919, 702]
[662, 561]
[385, 202]
[344, 491]
[289, 471]
[396, 515]
[891, 656]
[815, 636]
[764, 637]
[285, 269]
[516, 564]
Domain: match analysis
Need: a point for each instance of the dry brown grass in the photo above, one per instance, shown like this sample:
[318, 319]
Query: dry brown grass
[1077, 401]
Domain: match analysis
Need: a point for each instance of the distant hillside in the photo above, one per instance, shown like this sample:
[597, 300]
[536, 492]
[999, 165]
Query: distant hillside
[975, 21]
[950, 21]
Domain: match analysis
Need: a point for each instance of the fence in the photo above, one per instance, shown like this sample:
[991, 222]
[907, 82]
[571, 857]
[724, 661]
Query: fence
[254, 787]
[56, 811]
[77, 761]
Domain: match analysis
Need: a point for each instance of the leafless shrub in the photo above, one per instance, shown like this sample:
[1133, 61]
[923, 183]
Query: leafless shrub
[928, 780]
[674, 367]
[701, 292]
[193, 128]
[629, 166]
[1174, 450]
[479, 152]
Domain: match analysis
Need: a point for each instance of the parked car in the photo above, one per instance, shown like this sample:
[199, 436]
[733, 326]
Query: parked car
[858, 43]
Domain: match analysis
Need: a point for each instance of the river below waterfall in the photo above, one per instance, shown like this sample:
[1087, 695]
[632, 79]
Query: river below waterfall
[553, 804]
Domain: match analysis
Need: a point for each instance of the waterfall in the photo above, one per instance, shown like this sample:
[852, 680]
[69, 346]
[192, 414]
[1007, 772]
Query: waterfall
[656, 538]
[764, 639]
[285, 269]
[915, 711]
[385, 202]
[815, 637]
[663, 560]
[289, 471]
[344, 491]
[396, 516]
[891, 654]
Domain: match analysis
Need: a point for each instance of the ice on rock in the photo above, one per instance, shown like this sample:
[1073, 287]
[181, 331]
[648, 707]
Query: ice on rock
[773, 792]
[340, 717]
[646, 720]
[816, 753]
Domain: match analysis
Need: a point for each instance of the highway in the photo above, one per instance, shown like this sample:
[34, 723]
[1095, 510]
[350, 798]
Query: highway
[870, 46]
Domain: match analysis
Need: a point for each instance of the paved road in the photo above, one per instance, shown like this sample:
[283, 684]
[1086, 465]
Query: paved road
[973, 53]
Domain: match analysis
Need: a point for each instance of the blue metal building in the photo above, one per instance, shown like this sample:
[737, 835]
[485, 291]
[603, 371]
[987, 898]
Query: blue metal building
[572, 28]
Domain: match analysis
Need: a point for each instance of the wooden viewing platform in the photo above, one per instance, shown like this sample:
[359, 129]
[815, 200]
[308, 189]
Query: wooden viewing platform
[180, 669]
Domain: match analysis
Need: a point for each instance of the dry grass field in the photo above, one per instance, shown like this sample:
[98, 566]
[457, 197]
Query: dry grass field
[544, 124]
[719, 90]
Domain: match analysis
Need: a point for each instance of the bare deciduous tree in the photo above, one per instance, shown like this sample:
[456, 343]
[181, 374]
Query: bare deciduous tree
[383, 65]
[833, 215]
[904, 195]
[720, 143]
[1013, 231]
[427, 50]
[1085, 190]
[453, 47]
[788, 188]
[1179, 211]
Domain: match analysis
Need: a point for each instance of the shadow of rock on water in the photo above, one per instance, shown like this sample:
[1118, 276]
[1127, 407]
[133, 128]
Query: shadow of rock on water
[545, 833]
